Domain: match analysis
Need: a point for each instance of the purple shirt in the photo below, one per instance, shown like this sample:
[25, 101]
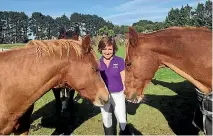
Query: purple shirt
[111, 75]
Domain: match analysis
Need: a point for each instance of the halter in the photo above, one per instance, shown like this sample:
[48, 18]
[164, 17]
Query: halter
[205, 103]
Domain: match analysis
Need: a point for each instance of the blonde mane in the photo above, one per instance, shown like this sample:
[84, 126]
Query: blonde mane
[127, 48]
[51, 46]
[94, 52]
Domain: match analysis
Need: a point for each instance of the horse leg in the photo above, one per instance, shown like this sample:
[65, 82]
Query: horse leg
[71, 93]
[56, 92]
[24, 122]
[64, 99]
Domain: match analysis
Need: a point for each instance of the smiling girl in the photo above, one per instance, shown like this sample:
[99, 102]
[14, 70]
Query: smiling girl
[113, 74]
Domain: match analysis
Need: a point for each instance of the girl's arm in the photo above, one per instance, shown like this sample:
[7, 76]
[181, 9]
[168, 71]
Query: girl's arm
[122, 72]
[123, 77]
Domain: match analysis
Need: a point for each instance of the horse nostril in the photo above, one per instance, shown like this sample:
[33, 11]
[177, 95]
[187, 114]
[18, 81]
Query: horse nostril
[133, 97]
[102, 101]
[105, 101]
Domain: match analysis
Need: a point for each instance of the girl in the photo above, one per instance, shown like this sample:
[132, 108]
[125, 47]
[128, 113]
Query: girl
[113, 74]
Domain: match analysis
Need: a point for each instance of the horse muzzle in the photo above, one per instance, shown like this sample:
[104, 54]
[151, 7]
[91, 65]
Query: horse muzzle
[134, 98]
[102, 98]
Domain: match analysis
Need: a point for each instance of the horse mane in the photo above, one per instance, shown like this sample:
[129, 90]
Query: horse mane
[51, 46]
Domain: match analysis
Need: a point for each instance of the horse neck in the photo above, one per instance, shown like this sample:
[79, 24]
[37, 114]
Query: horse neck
[43, 73]
[173, 45]
[181, 56]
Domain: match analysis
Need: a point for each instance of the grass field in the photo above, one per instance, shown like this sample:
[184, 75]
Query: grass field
[167, 110]
[11, 46]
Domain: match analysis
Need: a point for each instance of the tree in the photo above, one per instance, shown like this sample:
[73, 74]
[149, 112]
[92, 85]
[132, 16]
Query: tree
[123, 29]
[111, 33]
[185, 15]
[89, 23]
[173, 18]
[148, 26]
[63, 21]
[17, 26]
[2, 27]
[116, 29]
[198, 15]
[38, 25]
[106, 31]
[158, 26]
[139, 28]
[202, 15]
[103, 31]
[51, 27]
[25, 25]
[208, 14]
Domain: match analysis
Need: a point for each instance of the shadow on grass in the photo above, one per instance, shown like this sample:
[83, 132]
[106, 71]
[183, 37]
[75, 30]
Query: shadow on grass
[178, 110]
[69, 121]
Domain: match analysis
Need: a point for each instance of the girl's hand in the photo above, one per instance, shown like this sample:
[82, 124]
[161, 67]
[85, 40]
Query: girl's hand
[124, 88]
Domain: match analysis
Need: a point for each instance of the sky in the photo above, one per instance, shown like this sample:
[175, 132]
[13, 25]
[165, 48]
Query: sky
[119, 12]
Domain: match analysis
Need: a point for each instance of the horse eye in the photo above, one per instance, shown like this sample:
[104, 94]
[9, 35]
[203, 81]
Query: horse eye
[128, 63]
[95, 69]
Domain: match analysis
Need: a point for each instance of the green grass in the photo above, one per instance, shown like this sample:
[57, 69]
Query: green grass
[167, 110]
[11, 46]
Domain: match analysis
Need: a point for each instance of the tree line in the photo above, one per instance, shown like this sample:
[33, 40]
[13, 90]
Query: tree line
[200, 16]
[185, 16]
[16, 27]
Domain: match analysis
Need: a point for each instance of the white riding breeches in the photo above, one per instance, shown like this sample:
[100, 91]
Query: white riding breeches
[117, 101]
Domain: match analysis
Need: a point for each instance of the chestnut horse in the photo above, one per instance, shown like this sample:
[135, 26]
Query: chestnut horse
[185, 50]
[28, 72]
[67, 93]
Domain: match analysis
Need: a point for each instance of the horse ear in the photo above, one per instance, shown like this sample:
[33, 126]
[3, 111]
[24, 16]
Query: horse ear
[127, 35]
[133, 37]
[77, 32]
[76, 37]
[86, 43]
